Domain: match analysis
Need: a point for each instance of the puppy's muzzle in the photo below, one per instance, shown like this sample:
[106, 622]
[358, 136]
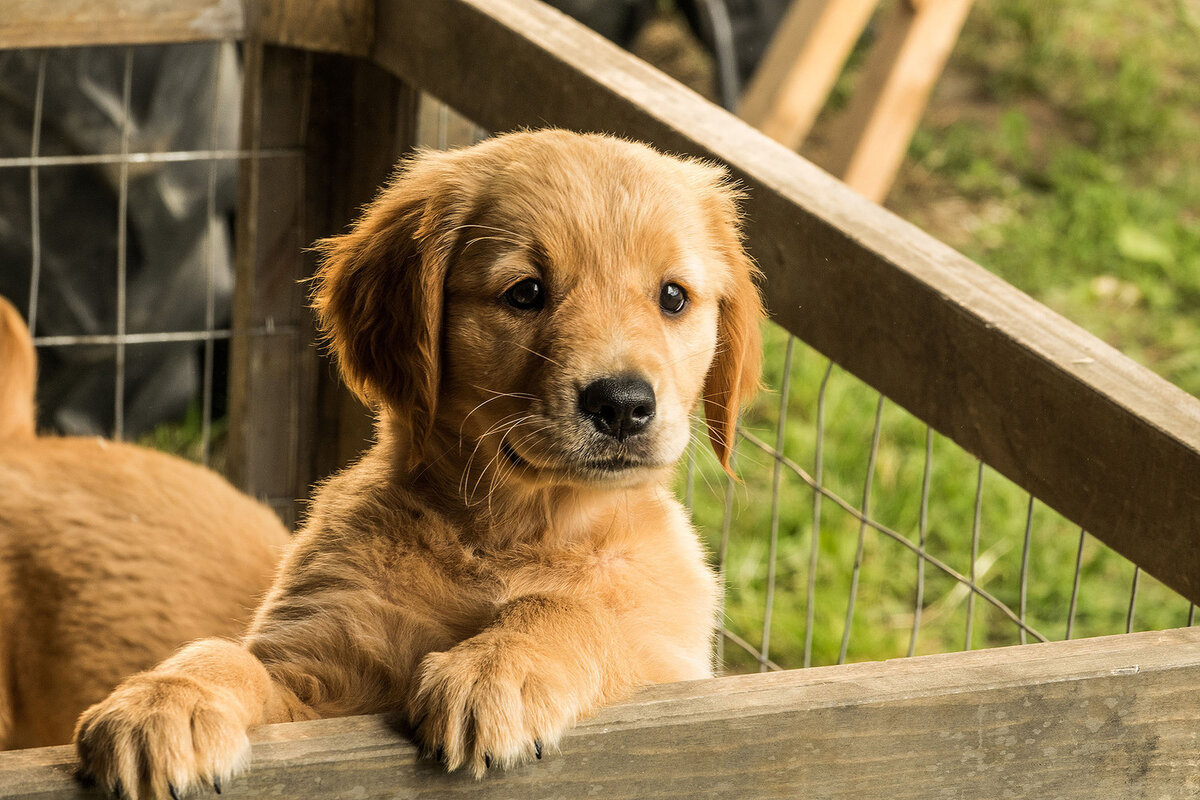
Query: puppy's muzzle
[619, 407]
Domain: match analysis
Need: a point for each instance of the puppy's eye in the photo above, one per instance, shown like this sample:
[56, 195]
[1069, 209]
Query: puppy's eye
[526, 295]
[673, 298]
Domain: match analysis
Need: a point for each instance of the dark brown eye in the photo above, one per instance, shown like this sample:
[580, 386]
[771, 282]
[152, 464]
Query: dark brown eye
[526, 295]
[673, 298]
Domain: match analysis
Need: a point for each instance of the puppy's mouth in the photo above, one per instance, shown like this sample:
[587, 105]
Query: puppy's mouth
[511, 455]
[614, 464]
[594, 467]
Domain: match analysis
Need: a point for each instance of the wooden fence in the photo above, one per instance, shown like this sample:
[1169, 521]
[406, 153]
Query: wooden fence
[1111, 717]
[331, 88]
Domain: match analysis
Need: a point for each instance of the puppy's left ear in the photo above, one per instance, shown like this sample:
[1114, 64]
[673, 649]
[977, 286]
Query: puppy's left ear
[733, 377]
[378, 294]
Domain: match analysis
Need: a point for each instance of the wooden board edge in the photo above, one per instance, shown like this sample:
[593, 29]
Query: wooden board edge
[76, 23]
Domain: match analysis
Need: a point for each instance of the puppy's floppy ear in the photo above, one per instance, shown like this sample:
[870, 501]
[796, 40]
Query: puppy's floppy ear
[733, 377]
[378, 293]
[18, 375]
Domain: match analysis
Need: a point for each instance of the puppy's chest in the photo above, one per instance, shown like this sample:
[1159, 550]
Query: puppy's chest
[465, 592]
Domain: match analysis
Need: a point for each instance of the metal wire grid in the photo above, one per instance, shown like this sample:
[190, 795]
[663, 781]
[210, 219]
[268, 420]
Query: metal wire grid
[38, 164]
[440, 128]
[1005, 602]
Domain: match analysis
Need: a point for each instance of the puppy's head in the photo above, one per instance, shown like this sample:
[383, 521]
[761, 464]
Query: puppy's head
[554, 306]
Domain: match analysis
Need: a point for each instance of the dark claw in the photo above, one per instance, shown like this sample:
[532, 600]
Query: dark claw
[217, 784]
[487, 760]
[118, 789]
[537, 748]
[171, 789]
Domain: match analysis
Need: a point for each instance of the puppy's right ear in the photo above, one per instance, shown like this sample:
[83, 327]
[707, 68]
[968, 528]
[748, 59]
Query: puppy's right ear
[378, 294]
[18, 375]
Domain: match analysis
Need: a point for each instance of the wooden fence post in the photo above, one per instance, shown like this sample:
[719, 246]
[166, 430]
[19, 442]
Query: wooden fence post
[324, 132]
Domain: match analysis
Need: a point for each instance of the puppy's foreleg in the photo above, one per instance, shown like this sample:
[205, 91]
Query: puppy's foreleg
[507, 693]
[182, 724]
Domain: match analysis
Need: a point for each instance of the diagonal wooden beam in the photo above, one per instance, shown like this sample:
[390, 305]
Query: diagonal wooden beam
[801, 66]
[871, 135]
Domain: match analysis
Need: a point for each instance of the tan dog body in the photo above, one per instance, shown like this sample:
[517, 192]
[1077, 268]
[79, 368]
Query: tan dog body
[111, 557]
[507, 557]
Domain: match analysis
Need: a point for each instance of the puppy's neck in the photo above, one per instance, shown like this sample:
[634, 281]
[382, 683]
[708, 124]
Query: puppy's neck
[497, 512]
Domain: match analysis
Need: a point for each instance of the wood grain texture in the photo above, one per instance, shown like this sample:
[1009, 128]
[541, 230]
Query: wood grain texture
[292, 422]
[63, 23]
[340, 26]
[271, 372]
[328, 26]
[1109, 718]
[1099, 438]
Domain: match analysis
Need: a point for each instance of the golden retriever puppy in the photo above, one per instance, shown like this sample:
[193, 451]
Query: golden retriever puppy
[111, 557]
[536, 318]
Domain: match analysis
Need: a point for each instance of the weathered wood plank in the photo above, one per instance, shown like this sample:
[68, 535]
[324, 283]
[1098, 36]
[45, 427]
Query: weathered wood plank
[270, 378]
[333, 26]
[1113, 717]
[339, 26]
[1096, 436]
[64, 23]
[347, 120]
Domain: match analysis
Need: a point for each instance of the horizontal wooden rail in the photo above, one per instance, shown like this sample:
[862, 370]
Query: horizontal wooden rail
[336, 26]
[73, 23]
[1113, 717]
[1099, 438]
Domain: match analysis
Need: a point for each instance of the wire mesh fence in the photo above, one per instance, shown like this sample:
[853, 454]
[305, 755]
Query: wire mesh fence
[119, 167]
[855, 532]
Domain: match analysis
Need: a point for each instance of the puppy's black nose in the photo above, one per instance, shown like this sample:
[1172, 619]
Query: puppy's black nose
[618, 407]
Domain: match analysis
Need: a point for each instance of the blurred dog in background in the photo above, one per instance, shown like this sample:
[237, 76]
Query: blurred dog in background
[111, 557]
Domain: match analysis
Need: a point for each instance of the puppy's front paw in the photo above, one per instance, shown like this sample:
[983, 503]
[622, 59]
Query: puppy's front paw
[483, 704]
[158, 735]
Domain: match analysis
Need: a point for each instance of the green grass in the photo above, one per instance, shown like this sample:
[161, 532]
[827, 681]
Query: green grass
[1076, 151]
[883, 619]
[1063, 153]
[184, 437]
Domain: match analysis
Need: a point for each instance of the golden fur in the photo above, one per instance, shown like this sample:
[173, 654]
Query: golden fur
[18, 370]
[111, 557]
[493, 568]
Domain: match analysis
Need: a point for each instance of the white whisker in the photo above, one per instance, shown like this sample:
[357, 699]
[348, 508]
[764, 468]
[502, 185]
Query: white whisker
[498, 396]
[536, 353]
[513, 242]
